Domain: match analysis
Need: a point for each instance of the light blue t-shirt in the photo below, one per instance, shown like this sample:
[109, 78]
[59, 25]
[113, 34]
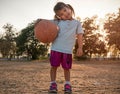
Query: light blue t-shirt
[65, 40]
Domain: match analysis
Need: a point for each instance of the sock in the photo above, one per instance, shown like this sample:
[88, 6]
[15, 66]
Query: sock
[67, 82]
[52, 82]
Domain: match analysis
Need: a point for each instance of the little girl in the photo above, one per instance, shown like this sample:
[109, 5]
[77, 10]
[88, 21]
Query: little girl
[61, 49]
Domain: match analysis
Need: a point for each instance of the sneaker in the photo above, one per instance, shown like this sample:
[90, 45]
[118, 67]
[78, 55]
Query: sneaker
[53, 88]
[67, 88]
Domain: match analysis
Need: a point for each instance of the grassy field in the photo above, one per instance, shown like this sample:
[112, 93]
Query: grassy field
[87, 77]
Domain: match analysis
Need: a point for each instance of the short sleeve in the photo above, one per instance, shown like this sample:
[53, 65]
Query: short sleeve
[79, 28]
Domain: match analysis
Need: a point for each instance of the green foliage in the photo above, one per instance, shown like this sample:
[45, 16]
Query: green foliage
[29, 45]
[7, 44]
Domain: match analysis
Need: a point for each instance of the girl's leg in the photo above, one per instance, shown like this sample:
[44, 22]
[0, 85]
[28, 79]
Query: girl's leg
[66, 65]
[67, 75]
[55, 63]
[53, 85]
[67, 86]
[53, 73]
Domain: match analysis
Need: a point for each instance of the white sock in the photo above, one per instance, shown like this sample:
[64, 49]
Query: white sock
[52, 82]
[67, 82]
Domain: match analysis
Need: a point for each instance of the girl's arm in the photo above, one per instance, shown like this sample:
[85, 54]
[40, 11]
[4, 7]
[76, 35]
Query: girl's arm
[80, 44]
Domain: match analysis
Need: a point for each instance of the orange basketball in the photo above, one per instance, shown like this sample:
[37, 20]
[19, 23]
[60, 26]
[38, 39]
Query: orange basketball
[46, 31]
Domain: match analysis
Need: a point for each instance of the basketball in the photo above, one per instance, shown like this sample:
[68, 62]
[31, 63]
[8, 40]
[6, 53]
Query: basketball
[46, 31]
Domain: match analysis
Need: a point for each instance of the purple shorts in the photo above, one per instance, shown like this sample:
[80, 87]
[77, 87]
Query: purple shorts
[59, 58]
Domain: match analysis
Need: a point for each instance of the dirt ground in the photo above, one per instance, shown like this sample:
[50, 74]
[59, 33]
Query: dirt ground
[87, 77]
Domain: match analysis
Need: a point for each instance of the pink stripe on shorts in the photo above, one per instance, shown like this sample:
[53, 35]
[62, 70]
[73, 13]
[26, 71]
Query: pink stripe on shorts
[59, 58]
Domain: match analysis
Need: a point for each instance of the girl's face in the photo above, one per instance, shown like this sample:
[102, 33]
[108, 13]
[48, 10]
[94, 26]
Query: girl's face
[65, 14]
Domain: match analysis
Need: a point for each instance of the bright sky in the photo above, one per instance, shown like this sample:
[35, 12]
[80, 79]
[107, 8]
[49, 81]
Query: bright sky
[21, 12]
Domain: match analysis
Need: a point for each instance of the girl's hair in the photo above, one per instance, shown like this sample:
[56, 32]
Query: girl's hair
[61, 5]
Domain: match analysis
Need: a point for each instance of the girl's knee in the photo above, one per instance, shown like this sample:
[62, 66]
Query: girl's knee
[66, 69]
[54, 68]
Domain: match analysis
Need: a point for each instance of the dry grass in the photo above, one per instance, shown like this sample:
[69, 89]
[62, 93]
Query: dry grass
[87, 77]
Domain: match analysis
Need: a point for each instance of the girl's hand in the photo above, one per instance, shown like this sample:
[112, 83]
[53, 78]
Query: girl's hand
[79, 52]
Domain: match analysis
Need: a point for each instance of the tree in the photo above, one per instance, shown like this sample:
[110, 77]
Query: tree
[7, 42]
[112, 26]
[91, 42]
[29, 45]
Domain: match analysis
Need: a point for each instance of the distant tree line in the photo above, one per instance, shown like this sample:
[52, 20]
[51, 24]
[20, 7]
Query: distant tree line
[24, 43]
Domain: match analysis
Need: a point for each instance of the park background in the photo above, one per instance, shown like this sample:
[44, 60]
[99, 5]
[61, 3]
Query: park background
[100, 21]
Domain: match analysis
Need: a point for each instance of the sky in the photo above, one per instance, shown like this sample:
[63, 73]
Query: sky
[21, 12]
